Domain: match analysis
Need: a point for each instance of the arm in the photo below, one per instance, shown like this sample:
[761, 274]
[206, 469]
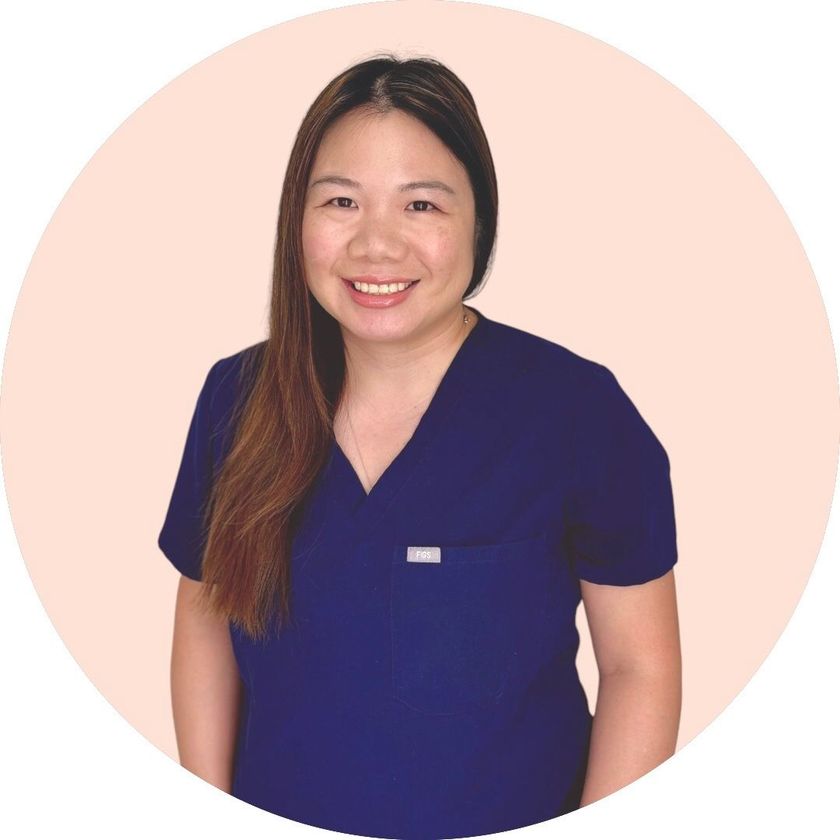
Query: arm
[205, 690]
[635, 636]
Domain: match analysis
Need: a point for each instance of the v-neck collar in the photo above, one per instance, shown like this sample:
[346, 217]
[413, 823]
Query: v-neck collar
[366, 508]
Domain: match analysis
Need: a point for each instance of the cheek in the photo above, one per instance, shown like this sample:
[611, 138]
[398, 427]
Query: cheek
[319, 243]
[447, 248]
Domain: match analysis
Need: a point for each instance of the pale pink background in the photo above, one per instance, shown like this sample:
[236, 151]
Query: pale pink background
[632, 230]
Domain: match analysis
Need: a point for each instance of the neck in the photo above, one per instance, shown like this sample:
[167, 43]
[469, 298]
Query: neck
[388, 373]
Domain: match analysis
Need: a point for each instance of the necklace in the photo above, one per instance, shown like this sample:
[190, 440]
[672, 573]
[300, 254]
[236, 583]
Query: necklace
[353, 433]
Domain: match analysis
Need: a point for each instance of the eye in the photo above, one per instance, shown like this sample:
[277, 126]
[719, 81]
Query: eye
[420, 201]
[340, 198]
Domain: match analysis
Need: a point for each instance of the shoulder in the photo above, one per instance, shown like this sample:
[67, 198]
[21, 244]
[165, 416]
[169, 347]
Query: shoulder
[226, 387]
[227, 375]
[565, 386]
[551, 367]
[568, 391]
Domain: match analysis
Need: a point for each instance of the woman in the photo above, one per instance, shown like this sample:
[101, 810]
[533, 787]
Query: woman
[388, 512]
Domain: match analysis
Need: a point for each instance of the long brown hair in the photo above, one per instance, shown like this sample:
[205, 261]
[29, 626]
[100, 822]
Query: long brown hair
[292, 382]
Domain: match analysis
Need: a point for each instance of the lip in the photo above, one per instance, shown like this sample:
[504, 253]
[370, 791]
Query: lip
[381, 300]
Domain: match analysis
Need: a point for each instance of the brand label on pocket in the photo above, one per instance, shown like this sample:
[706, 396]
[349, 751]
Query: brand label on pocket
[423, 554]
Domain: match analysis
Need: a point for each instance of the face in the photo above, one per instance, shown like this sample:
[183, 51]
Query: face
[387, 199]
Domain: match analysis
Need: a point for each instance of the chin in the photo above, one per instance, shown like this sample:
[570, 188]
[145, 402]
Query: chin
[375, 327]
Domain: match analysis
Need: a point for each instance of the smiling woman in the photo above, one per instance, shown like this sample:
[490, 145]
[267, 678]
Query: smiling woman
[388, 512]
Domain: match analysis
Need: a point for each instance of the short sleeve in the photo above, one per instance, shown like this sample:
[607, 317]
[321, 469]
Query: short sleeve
[182, 537]
[621, 528]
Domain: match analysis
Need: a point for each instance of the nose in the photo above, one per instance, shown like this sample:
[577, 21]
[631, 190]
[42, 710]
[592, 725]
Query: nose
[377, 238]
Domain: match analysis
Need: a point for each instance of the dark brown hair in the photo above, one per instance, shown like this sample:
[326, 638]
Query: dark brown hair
[293, 382]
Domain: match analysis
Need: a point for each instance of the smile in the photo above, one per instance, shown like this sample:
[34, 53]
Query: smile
[382, 288]
[378, 294]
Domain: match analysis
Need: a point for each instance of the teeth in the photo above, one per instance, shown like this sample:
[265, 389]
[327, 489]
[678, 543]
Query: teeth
[380, 288]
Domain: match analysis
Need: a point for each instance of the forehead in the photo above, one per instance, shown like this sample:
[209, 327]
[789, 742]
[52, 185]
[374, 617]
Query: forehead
[365, 141]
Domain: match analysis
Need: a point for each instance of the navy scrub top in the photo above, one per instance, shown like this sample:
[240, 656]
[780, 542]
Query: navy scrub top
[426, 686]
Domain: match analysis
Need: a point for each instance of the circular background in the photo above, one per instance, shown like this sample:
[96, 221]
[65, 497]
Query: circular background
[632, 230]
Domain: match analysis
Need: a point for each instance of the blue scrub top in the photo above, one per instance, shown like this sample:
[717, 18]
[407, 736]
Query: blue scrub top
[433, 693]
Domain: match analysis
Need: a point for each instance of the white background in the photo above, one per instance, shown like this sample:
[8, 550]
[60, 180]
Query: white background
[72, 72]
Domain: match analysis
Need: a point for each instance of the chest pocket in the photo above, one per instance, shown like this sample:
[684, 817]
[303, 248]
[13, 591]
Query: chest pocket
[472, 626]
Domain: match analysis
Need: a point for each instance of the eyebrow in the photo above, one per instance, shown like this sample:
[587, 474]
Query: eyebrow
[411, 185]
